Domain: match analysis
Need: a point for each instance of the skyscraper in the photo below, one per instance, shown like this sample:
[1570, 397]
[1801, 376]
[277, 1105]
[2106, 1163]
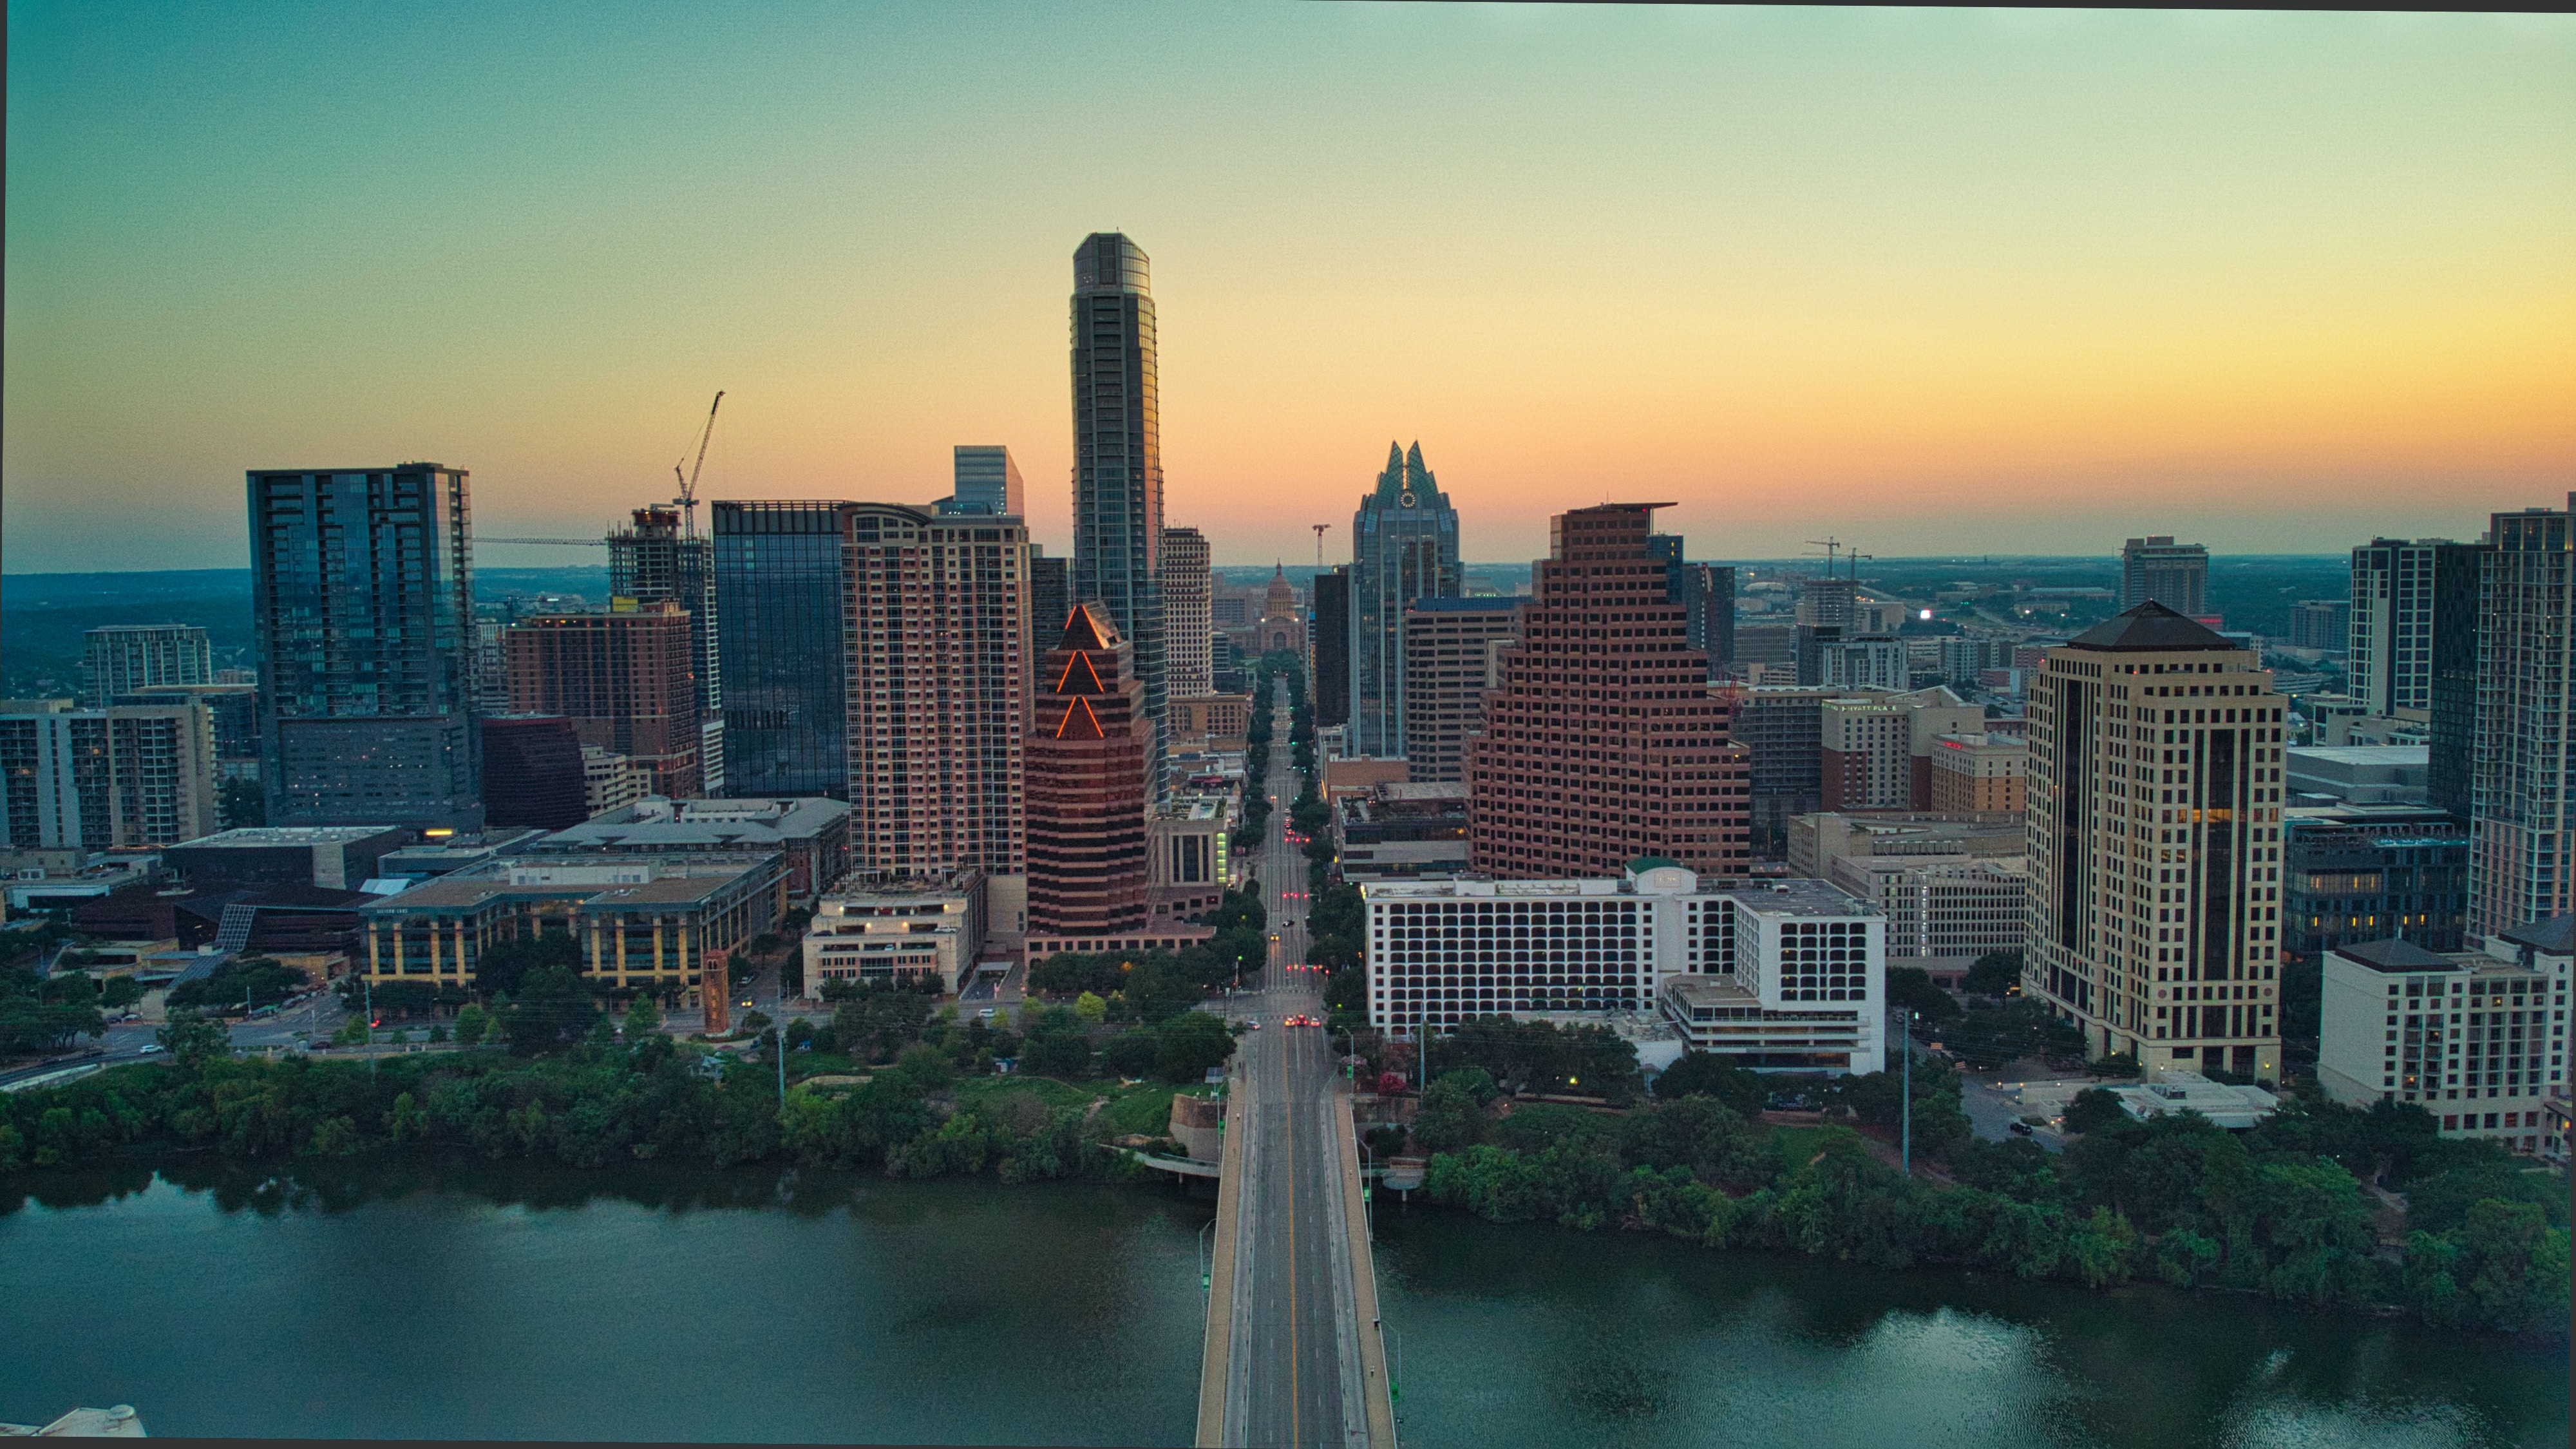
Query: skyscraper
[122, 658]
[1707, 596]
[622, 678]
[2459, 575]
[1088, 784]
[1050, 599]
[1118, 451]
[1189, 630]
[986, 481]
[2396, 601]
[1602, 743]
[938, 700]
[1329, 620]
[2523, 783]
[362, 601]
[781, 587]
[653, 562]
[1447, 646]
[2155, 819]
[1404, 546]
[2175, 575]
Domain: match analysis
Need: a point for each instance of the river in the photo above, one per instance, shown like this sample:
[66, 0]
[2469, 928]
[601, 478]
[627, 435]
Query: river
[473, 1300]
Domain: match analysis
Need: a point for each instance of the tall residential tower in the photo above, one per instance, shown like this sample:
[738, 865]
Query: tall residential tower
[362, 600]
[1118, 451]
[2522, 802]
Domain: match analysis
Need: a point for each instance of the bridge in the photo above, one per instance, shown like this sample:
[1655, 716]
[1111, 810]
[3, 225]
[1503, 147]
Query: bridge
[1293, 1352]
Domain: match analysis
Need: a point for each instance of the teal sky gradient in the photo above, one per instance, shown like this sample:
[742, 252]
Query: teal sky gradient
[1935, 280]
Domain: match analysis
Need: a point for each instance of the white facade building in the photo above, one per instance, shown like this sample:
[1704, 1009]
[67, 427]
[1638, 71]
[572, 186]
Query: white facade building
[1791, 974]
[920, 932]
[2478, 1038]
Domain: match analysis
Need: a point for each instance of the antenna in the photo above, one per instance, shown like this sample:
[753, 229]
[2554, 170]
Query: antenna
[688, 499]
[1319, 544]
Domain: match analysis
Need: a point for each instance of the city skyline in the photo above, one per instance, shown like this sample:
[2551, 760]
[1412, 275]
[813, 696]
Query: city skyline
[2026, 284]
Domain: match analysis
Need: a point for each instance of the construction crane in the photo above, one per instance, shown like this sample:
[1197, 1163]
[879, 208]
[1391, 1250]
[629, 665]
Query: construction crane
[1319, 544]
[688, 499]
[1832, 546]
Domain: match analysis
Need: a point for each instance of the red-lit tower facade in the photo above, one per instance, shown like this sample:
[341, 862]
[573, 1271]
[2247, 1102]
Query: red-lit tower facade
[1603, 743]
[1088, 784]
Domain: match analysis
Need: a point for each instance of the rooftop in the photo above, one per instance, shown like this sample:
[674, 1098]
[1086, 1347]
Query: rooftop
[2553, 937]
[2150, 627]
[2396, 954]
[739, 824]
[269, 837]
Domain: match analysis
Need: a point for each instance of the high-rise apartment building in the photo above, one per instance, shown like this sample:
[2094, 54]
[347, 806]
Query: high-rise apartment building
[2155, 831]
[623, 680]
[2175, 575]
[1404, 546]
[2451, 734]
[362, 601]
[2522, 805]
[938, 705]
[1783, 728]
[2396, 613]
[1872, 661]
[1088, 786]
[123, 777]
[781, 589]
[1189, 627]
[1329, 618]
[1828, 602]
[234, 708]
[2321, 624]
[652, 561]
[1603, 742]
[1118, 451]
[1875, 750]
[1448, 655]
[986, 481]
[122, 658]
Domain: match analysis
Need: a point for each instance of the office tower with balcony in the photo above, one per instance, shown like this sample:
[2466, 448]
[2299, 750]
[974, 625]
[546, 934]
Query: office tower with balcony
[985, 481]
[1450, 652]
[652, 561]
[362, 594]
[122, 658]
[1404, 546]
[781, 588]
[1602, 742]
[533, 775]
[1189, 629]
[2175, 575]
[2522, 806]
[622, 678]
[1118, 452]
[938, 706]
[2154, 802]
[1089, 783]
[121, 777]
[1329, 623]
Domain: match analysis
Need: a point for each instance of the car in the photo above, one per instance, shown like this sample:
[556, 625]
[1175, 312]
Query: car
[151, 1047]
[984, 1015]
[2019, 1129]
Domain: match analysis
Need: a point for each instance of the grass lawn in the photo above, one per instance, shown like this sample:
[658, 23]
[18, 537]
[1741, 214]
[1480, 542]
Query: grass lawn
[1145, 1108]
[1046, 1089]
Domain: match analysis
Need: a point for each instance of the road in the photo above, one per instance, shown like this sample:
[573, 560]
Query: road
[1282, 861]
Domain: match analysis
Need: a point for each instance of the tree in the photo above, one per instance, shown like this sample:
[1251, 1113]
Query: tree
[193, 1039]
[257, 980]
[1091, 1008]
[2094, 1109]
[1910, 988]
[1996, 973]
[1131, 1053]
[553, 1005]
[501, 968]
[1711, 1074]
[473, 1023]
[1449, 1119]
[120, 992]
[643, 1018]
[1189, 1044]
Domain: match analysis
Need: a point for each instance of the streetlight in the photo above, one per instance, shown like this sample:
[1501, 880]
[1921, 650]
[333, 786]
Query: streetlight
[1207, 1272]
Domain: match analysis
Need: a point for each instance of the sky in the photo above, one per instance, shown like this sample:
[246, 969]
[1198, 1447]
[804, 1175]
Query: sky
[1929, 281]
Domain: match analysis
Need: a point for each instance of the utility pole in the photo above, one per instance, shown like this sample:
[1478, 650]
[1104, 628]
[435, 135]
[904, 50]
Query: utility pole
[1905, 1044]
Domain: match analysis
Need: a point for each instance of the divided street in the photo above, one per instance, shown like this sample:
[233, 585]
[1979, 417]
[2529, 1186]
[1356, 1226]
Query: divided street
[1297, 1371]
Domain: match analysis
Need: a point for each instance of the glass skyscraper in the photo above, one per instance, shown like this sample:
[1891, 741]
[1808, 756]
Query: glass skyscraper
[781, 589]
[1118, 450]
[362, 592]
[1404, 546]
